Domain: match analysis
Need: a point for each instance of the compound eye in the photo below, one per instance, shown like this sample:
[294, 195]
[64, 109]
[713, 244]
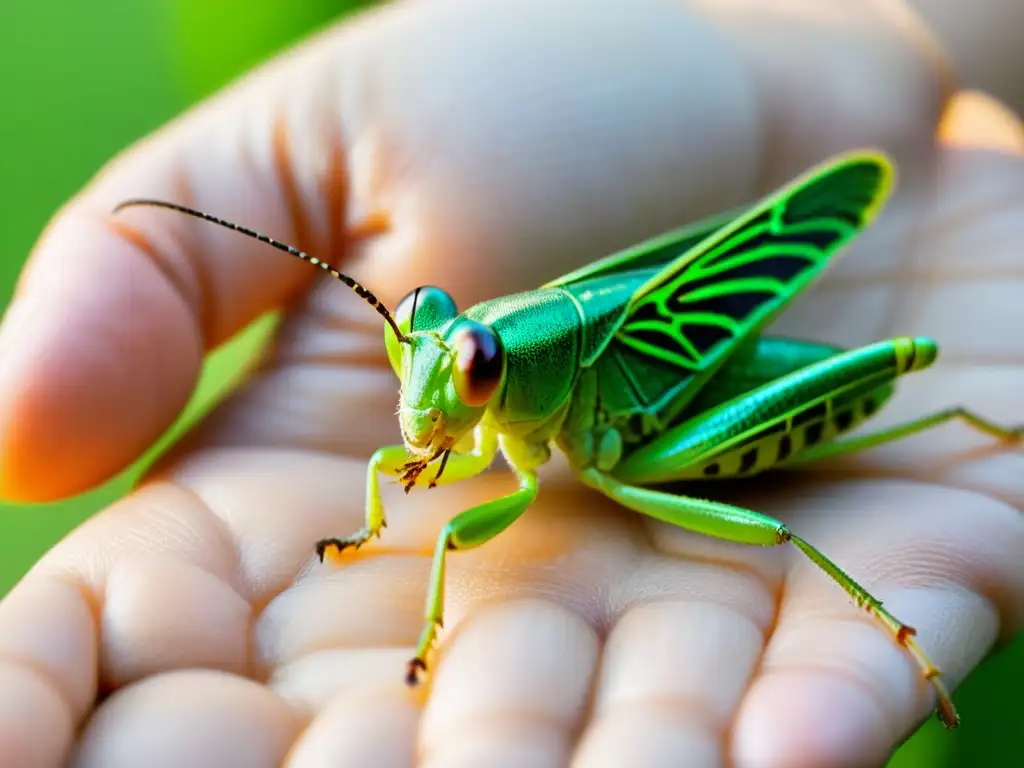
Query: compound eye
[425, 308]
[479, 363]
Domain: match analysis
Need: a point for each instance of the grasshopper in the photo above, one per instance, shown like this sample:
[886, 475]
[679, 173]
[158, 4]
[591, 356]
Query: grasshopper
[645, 368]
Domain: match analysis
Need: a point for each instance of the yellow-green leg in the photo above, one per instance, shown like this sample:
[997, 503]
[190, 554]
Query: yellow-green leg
[391, 460]
[746, 527]
[899, 431]
[469, 530]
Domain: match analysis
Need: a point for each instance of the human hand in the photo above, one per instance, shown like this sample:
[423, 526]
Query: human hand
[583, 629]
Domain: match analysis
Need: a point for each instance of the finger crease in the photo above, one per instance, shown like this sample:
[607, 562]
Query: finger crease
[498, 721]
[288, 185]
[225, 535]
[764, 575]
[778, 594]
[879, 700]
[685, 709]
[335, 189]
[948, 226]
[47, 676]
[191, 295]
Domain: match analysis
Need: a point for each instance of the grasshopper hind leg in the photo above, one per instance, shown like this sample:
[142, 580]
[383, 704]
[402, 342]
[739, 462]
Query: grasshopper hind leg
[1011, 435]
[744, 526]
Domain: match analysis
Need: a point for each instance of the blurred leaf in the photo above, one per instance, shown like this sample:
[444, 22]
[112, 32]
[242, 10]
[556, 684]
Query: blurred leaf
[990, 704]
[930, 747]
[218, 39]
[81, 81]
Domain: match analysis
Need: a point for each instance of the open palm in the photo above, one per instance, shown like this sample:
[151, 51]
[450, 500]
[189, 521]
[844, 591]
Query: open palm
[584, 634]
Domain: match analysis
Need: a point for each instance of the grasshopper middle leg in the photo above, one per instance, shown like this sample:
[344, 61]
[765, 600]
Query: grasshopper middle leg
[469, 530]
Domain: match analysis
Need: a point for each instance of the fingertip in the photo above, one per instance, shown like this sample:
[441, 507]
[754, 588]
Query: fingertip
[47, 625]
[803, 718]
[976, 119]
[35, 725]
[368, 726]
[189, 717]
[99, 353]
[47, 670]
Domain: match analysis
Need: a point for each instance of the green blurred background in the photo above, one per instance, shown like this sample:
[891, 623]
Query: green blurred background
[84, 79]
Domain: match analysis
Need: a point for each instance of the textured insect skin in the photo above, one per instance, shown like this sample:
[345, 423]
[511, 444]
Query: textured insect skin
[645, 368]
[774, 423]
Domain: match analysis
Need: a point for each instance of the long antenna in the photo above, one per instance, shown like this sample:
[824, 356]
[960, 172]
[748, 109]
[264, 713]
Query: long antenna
[360, 291]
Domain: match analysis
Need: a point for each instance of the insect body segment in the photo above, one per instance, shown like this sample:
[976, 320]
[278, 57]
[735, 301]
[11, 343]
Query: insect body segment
[647, 367]
[774, 422]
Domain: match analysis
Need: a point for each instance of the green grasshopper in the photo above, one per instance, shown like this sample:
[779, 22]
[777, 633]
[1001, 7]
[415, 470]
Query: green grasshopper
[646, 368]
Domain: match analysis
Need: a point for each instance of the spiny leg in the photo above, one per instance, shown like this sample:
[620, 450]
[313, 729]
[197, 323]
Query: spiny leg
[467, 530]
[391, 460]
[388, 460]
[899, 431]
[746, 527]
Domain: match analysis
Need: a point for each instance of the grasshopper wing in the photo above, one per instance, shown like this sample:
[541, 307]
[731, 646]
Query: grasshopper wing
[691, 315]
[652, 254]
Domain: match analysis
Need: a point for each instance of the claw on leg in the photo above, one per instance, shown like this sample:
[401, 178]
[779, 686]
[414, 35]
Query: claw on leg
[331, 549]
[416, 670]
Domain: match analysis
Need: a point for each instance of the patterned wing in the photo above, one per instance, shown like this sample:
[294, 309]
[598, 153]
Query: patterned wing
[651, 254]
[692, 314]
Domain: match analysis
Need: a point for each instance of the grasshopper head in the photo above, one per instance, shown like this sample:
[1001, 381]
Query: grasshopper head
[450, 368]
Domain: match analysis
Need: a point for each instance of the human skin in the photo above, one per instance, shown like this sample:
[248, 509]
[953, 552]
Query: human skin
[984, 39]
[189, 624]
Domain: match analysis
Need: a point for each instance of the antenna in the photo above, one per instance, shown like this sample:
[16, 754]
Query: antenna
[360, 291]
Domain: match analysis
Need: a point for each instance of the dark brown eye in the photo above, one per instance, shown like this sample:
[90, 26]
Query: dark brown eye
[479, 363]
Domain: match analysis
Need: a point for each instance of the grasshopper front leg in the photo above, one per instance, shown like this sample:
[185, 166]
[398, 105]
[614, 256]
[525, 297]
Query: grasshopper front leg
[392, 460]
[469, 530]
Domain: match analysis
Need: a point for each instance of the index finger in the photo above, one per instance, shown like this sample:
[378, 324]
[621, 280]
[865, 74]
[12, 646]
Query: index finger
[483, 149]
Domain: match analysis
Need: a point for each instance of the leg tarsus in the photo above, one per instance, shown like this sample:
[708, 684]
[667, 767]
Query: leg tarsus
[331, 548]
[387, 460]
[902, 633]
[416, 671]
